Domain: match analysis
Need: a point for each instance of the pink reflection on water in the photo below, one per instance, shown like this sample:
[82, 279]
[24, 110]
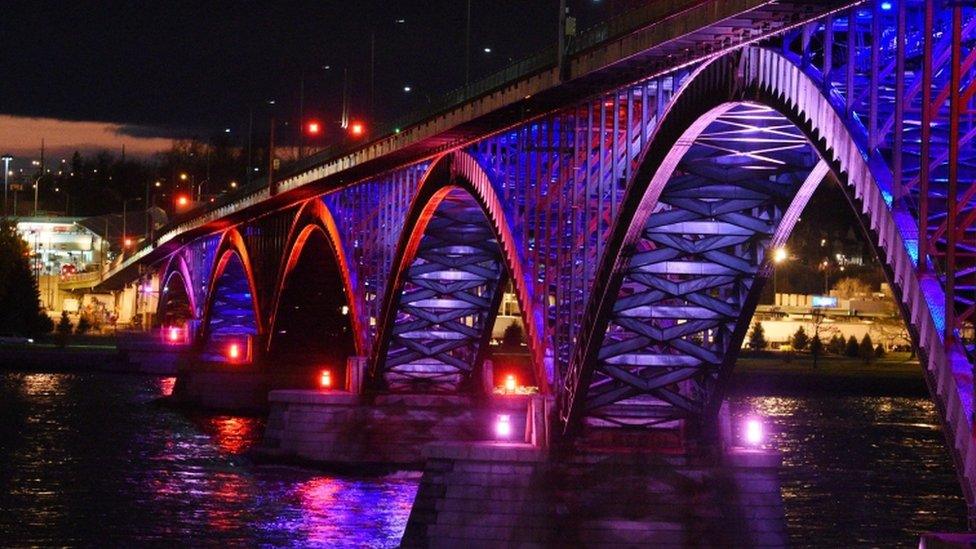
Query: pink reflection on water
[166, 386]
[234, 434]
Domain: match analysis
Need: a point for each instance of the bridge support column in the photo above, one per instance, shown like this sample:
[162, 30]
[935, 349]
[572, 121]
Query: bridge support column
[237, 386]
[514, 494]
[343, 426]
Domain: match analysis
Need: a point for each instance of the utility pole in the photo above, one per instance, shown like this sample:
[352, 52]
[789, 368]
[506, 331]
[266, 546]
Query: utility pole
[250, 132]
[467, 48]
[344, 122]
[561, 41]
[372, 69]
[271, 157]
[6, 169]
[301, 116]
[37, 183]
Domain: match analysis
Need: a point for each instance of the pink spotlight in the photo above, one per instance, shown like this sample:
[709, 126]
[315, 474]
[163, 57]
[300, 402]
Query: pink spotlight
[503, 426]
[754, 432]
[174, 334]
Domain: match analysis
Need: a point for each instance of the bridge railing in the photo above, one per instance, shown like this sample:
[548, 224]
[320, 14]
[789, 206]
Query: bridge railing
[612, 28]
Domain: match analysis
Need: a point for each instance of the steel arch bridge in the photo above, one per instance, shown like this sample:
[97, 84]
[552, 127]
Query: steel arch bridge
[632, 209]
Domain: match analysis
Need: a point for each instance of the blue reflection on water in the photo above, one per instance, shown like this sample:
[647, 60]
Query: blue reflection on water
[92, 460]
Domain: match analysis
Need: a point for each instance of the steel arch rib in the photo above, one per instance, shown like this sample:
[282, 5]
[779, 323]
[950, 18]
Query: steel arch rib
[767, 77]
[231, 243]
[184, 271]
[314, 215]
[458, 170]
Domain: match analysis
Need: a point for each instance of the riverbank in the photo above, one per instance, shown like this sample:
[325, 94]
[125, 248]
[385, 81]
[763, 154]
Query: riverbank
[897, 374]
[110, 353]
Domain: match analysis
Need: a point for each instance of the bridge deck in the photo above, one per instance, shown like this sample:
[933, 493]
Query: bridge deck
[647, 42]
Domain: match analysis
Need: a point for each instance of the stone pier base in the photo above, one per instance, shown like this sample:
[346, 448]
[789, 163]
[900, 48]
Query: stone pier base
[222, 390]
[491, 494]
[390, 429]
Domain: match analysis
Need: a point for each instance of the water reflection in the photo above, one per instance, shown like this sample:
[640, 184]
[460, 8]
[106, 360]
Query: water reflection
[91, 460]
[860, 470]
[234, 434]
[166, 386]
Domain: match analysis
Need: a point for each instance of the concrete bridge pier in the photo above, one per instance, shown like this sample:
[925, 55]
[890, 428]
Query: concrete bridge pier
[350, 426]
[489, 494]
[218, 383]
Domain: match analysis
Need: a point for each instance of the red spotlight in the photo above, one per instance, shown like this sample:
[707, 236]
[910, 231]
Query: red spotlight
[173, 334]
[313, 128]
[127, 242]
[325, 379]
[357, 129]
[510, 383]
[234, 351]
[182, 200]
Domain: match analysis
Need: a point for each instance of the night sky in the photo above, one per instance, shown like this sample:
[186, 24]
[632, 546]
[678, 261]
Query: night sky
[192, 69]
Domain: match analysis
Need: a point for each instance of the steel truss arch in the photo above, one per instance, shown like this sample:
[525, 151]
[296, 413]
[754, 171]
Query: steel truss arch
[231, 246]
[454, 174]
[768, 78]
[177, 265]
[314, 216]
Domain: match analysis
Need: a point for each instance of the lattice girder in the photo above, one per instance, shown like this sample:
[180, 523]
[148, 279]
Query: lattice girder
[448, 298]
[688, 279]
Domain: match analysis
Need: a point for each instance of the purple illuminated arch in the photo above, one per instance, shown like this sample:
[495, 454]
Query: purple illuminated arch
[453, 173]
[767, 78]
[176, 274]
[233, 266]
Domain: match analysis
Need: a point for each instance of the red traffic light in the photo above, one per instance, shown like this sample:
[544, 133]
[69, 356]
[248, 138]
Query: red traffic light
[357, 129]
[313, 127]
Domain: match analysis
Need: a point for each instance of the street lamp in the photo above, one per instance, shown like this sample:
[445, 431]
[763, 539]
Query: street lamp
[126, 241]
[779, 255]
[826, 270]
[6, 171]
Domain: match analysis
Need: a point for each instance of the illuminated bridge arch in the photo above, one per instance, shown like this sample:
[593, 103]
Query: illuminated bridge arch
[455, 252]
[314, 243]
[727, 172]
[232, 311]
[177, 304]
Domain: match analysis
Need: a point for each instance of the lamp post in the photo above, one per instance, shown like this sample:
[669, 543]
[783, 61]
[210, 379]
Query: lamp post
[125, 237]
[779, 255]
[6, 171]
[826, 270]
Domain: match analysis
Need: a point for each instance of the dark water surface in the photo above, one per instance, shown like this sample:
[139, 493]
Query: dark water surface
[861, 470]
[92, 459]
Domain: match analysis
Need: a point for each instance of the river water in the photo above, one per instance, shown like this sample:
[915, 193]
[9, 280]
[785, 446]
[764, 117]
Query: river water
[95, 460]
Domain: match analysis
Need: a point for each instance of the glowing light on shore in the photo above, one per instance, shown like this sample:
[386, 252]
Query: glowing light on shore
[753, 432]
[510, 383]
[503, 426]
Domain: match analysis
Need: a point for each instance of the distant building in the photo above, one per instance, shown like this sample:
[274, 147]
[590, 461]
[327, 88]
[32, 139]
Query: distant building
[61, 245]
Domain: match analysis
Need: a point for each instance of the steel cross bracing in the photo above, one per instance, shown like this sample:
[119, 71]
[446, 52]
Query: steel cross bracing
[231, 308]
[904, 73]
[690, 280]
[561, 180]
[447, 302]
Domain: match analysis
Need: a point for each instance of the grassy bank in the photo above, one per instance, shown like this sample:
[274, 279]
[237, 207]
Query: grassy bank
[777, 373]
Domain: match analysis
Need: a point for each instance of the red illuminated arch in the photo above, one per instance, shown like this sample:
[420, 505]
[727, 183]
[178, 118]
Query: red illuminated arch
[182, 269]
[315, 216]
[231, 243]
[460, 170]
